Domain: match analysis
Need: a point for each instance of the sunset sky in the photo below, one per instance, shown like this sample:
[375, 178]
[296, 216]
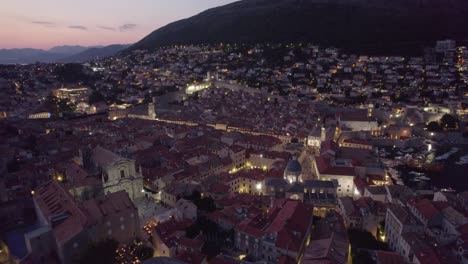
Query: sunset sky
[48, 23]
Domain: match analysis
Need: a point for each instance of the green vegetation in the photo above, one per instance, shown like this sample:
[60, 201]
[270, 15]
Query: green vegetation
[205, 204]
[433, 127]
[447, 122]
[216, 237]
[96, 97]
[361, 241]
[70, 73]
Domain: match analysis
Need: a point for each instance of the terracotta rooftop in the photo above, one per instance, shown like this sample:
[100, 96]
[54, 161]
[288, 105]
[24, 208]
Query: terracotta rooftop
[103, 157]
[116, 203]
[60, 211]
[386, 257]
[424, 207]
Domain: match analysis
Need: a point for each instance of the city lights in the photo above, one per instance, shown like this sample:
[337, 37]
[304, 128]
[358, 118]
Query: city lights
[186, 147]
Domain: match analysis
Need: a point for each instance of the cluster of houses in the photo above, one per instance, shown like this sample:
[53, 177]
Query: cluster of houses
[256, 148]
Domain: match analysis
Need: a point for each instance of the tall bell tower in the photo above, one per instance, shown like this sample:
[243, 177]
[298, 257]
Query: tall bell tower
[323, 134]
[370, 110]
[152, 110]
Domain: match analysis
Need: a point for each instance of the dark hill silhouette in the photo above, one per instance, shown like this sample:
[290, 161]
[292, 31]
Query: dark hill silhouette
[359, 25]
[95, 53]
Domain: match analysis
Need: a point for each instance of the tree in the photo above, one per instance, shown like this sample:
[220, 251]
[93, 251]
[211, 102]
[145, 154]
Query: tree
[31, 142]
[348, 93]
[206, 204]
[144, 252]
[70, 73]
[193, 230]
[96, 97]
[102, 252]
[211, 249]
[13, 166]
[363, 256]
[10, 130]
[433, 127]
[364, 239]
[194, 197]
[449, 122]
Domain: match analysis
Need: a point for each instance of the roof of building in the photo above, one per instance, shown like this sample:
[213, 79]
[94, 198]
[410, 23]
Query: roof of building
[162, 260]
[386, 257]
[191, 257]
[293, 166]
[218, 188]
[399, 192]
[103, 157]
[403, 214]
[292, 231]
[184, 204]
[191, 243]
[355, 116]
[348, 206]
[415, 241]
[376, 190]
[427, 256]
[60, 211]
[116, 203]
[283, 259]
[329, 242]
[324, 166]
[425, 208]
[454, 217]
[288, 220]
[357, 141]
[320, 184]
[168, 231]
[221, 259]
[275, 182]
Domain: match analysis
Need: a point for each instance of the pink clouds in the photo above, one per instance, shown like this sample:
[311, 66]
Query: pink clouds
[48, 23]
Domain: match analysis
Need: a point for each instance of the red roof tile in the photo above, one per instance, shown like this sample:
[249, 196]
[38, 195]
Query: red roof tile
[424, 207]
[54, 201]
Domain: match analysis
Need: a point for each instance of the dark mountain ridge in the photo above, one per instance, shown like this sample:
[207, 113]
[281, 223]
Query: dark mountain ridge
[58, 54]
[358, 25]
[95, 53]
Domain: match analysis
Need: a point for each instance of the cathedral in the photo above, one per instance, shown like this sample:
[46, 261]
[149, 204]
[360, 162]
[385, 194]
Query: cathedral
[117, 173]
[293, 186]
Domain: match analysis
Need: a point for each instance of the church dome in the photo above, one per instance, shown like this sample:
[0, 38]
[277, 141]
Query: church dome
[294, 166]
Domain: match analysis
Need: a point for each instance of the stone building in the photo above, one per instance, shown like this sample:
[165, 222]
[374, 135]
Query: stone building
[117, 173]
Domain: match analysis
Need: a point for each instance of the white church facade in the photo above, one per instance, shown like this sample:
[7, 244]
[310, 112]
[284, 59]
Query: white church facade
[118, 173]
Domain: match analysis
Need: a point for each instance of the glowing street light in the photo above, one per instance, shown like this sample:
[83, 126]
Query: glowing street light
[258, 186]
